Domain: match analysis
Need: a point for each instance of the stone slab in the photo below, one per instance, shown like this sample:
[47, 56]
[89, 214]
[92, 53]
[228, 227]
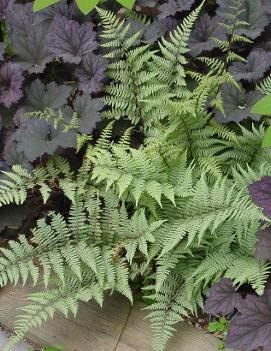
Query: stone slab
[21, 347]
[116, 327]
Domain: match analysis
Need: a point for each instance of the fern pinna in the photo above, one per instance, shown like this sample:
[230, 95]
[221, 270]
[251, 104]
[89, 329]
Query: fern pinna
[175, 210]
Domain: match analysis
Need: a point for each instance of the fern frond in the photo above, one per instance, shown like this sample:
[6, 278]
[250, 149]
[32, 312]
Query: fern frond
[265, 85]
[170, 65]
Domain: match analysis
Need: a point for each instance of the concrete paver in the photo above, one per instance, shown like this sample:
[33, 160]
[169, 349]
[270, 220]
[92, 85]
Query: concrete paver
[21, 347]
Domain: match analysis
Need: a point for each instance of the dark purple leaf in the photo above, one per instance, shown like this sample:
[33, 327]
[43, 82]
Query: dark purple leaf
[32, 50]
[3, 167]
[147, 3]
[4, 6]
[40, 96]
[91, 73]
[258, 62]
[253, 13]
[261, 194]
[201, 37]
[251, 326]
[237, 104]
[11, 80]
[263, 244]
[70, 41]
[265, 45]
[13, 157]
[20, 18]
[158, 28]
[222, 298]
[185, 5]
[135, 27]
[170, 7]
[48, 14]
[256, 17]
[19, 117]
[37, 137]
[88, 111]
[267, 6]
[7, 115]
[12, 216]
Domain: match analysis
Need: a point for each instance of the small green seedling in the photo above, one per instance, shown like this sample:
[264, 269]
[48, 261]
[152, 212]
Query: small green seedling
[50, 348]
[219, 326]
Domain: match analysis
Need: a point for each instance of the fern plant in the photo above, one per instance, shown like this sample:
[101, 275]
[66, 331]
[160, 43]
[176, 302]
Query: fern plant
[175, 210]
[232, 22]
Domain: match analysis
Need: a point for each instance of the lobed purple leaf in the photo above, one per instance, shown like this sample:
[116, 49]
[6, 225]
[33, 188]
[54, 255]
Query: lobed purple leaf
[88, 111]
[32, 50]
[237, 104]
[12, 216]
[62, 9]
[261, 194]
[251, 326]
[201, 38]
[170, 7]
[253, 12]
[157, 29]
[91, 73]
[70, 41]
[14, 157]
[258, 62]
[40, 96]
[37, 137]
[222, 298]
[11, 80]
[263, 244]
[267, 6]
[20, 18]
[4, 6]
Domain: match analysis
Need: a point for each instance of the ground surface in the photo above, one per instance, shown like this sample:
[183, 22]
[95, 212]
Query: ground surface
[117, 328]
[3, 337]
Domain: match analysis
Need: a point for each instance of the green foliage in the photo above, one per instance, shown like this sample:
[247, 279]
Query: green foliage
[127, 3]
[51, 348]
[42, 4]
[263, 106]
[175, 210]
[231, 21]
[265, 85]
[221, 327]
[267, 138]
[6, 40]
[84, 6]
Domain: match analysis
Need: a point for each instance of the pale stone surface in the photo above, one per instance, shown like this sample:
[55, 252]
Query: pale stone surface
[118, 327]
[21, 347]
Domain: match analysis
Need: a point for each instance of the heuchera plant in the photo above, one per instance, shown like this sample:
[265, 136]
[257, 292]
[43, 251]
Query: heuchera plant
[250, 327]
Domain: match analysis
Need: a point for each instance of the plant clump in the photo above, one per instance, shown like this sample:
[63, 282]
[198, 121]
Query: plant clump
[147, 164]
